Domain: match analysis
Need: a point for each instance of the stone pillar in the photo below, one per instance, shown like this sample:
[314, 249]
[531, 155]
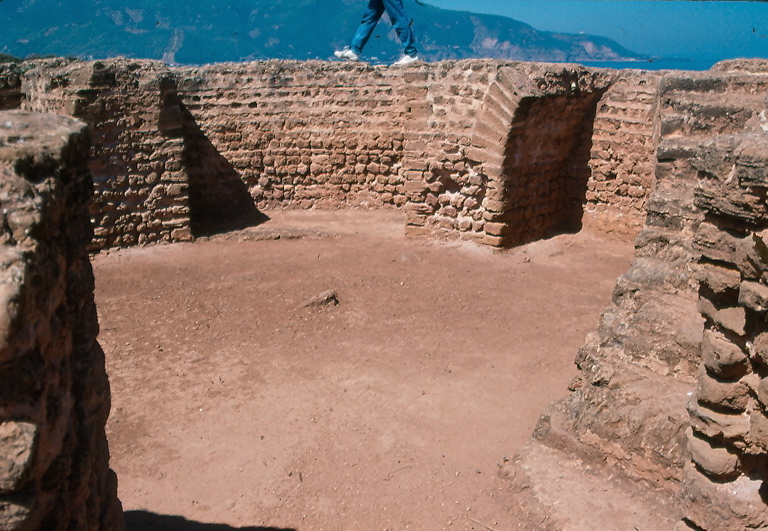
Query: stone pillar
[724, 489]
[713, 127]
[54, 393]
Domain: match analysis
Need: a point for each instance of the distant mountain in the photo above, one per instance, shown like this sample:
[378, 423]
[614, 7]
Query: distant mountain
[201, 31]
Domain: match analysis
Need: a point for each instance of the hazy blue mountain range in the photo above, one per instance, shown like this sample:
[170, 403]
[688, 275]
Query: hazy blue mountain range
[197, 32]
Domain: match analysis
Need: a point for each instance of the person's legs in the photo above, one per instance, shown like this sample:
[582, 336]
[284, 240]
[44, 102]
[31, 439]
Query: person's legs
[402, 25]
[370, 19]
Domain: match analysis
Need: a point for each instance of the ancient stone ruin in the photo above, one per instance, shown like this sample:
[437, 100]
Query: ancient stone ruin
[54, 395]
[672, 395]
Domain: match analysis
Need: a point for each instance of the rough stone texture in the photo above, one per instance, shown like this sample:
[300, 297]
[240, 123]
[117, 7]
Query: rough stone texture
[673, 389]
[716, 127]
[54, 399]
[690, 311]
[141, 186]
[623, 155]
[495, 152]
[521, 171]
[299, 134]
[10, 86]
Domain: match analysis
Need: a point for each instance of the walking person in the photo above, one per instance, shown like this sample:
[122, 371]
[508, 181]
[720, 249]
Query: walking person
[396, 12]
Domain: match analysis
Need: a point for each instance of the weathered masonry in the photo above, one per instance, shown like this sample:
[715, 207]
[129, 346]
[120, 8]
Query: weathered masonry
[673, 388]
[498, 153]
[672, 385]
[54, 393]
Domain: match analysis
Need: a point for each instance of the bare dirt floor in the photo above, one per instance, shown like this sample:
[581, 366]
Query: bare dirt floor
[235, 407]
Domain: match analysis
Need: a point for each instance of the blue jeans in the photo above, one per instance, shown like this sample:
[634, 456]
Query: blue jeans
[396, 12]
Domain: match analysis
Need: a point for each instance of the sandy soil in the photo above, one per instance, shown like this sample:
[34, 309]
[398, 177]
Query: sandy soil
[235, 407]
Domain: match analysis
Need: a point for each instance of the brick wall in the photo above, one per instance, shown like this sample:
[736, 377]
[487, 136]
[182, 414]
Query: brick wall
[54, 396]
[522, 158]
[622, 156]
[294, 135]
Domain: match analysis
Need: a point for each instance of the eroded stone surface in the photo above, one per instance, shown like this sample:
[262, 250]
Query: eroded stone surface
[701, 251]
[16, 450]
[54, 399]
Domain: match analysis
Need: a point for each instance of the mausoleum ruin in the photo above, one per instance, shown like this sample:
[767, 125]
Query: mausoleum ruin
[673, 386]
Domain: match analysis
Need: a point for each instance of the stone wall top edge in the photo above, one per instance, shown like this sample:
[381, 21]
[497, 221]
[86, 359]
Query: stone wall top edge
[750, 66]
[732, 67]
[32, 134]
[340, 65]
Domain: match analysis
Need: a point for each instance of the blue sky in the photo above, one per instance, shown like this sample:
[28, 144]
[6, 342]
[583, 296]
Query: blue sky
[670, 29]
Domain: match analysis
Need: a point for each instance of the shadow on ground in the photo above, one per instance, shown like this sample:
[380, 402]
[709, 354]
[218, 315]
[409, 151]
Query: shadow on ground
[146, 521]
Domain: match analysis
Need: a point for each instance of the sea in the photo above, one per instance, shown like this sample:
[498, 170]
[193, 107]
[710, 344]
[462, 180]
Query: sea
[655, 64]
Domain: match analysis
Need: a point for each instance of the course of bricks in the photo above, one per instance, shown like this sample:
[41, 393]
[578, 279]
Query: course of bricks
[622, 155]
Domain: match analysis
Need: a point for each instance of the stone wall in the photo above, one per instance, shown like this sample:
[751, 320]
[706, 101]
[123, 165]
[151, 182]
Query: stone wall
[715, 129]
[622, 157]
[495, 152]
[10, 86]
[54, 397]
[299, 135]
[141, 183]
[517, 174]
[671, 388]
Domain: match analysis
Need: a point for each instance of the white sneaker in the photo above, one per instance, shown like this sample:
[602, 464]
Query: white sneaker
[406, 60]
[346, 54]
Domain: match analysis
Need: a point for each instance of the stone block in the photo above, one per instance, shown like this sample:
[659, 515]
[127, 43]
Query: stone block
[757, 439]
[713, 424]
[754, 296]
[722, 357]
[416, 77]
[419, 208]
[17, 440]
[731, 318]
[759, 347]
[182, 234]
[416, 187]
[493, 206]
[13, 515]
[722, 395]
[415, 218]
[493, 241]
[717, 462]
[722, 246]
[717, 278]
[496, 229]
[736, 505]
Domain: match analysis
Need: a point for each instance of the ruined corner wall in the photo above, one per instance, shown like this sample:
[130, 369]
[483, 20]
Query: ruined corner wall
[141, 190]
[715, 131]
[671, 386]
[444, 187]
[522, 160]
[54, 396]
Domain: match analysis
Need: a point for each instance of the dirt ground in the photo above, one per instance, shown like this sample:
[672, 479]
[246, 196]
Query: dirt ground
[234, 407]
